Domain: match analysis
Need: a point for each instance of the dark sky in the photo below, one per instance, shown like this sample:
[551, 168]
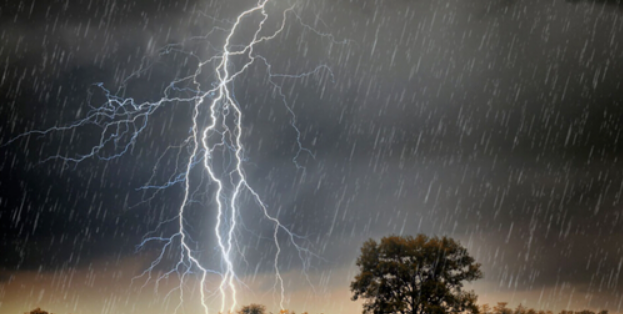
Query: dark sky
[497, 122]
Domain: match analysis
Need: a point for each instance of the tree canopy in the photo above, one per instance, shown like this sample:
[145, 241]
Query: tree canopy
[409, 275]
[253, 309]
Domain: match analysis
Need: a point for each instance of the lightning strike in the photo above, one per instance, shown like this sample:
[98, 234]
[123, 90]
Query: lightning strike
[122, 118]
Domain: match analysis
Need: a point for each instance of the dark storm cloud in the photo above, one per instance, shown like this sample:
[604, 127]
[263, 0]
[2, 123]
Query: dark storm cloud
[494, 121]
[618, 3]
[519, 130]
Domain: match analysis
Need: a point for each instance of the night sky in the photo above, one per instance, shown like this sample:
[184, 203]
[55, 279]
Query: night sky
[496, 122]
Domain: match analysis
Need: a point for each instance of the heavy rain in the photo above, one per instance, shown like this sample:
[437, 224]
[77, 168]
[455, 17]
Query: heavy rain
[311, 156]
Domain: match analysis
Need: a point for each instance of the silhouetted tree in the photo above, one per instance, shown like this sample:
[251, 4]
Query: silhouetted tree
[38, 311]
[501, 308]
[253, 309]
[485, 309]
[408, 275]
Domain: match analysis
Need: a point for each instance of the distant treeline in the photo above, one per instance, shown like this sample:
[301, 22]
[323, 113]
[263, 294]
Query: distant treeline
[501, 308]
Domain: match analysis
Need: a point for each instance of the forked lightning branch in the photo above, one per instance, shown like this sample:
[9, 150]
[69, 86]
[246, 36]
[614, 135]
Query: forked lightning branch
[122, 121]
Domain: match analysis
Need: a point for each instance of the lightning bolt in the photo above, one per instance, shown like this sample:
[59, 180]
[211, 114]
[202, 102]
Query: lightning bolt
[122, 120]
